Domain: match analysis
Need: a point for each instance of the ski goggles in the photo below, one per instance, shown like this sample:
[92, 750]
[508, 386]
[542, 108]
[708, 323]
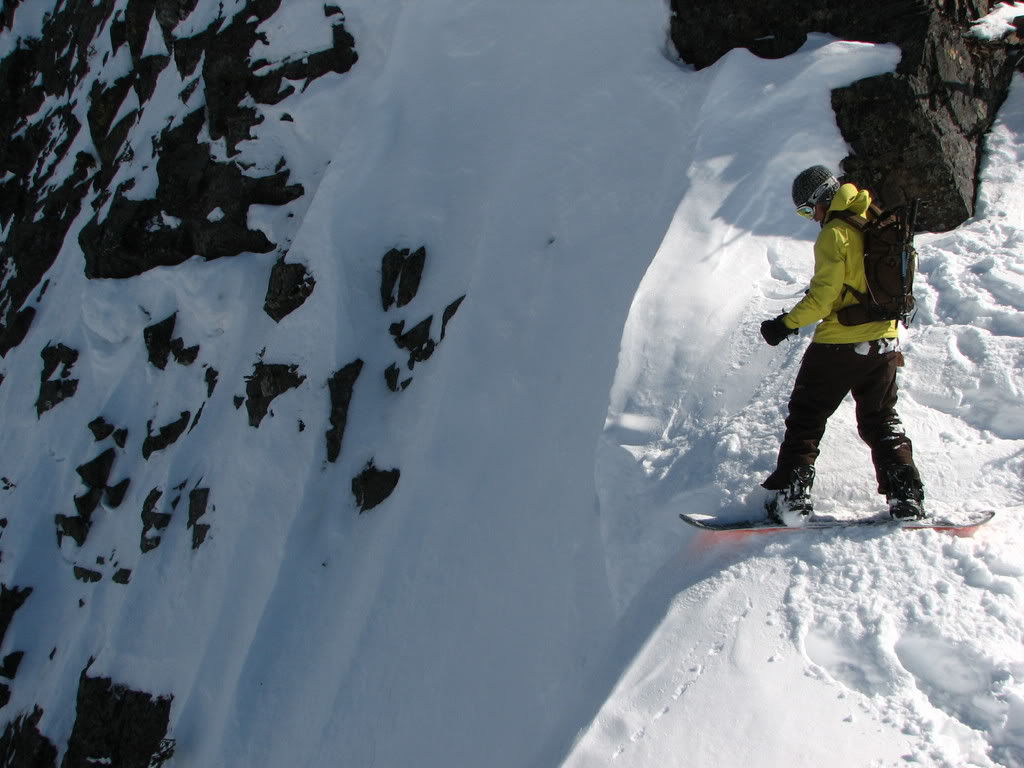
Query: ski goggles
[807, 209]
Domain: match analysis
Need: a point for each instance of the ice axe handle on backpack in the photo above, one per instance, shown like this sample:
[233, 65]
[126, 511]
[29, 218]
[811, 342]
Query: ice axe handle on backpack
[908, 254]
[908, 239]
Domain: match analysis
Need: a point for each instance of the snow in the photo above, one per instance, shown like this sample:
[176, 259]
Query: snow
[28, 22]
[287, 36]
[998, 22]
[155, 45]
[206, 15]
[619, 225]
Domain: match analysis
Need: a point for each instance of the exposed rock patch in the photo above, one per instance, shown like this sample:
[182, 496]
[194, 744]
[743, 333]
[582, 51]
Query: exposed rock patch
[116, 725]
[11, 662]
[372, 486]
[41, 84]
[95, 474]
[87, 575]
[416, 340]
[11, 599]
[268, 380]
[76, 528]
[392, 376]
[138, 235]
[101, 430]
[449, 313]
[211, 381]
[290, 285]
[160, 345]
[917, 132]
[14, 329]
[151, 519]
[198, 501]
[115, 493]
[157, 338]
[167, 435]
[400, 275]
[24, 746]
[52, 392]
[340, 386]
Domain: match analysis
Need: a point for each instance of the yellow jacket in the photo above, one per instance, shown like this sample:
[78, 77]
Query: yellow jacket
[839, 261]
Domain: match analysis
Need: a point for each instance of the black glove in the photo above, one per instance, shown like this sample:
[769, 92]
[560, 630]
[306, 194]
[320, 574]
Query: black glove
[774, 331]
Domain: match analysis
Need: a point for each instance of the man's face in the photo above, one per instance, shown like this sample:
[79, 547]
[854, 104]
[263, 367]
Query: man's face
[820, 211]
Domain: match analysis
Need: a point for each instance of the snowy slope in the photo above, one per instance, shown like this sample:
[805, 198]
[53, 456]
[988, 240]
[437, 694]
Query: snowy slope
[619, 225]
[845, 649]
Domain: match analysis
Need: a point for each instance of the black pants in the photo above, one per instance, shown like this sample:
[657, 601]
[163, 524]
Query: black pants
[827, 373]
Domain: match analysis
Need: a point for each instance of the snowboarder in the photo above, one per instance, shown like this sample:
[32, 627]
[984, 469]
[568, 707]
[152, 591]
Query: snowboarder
[858, 359]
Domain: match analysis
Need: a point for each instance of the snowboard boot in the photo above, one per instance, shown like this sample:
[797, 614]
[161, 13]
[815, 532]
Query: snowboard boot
[792, 505]
[905, 493]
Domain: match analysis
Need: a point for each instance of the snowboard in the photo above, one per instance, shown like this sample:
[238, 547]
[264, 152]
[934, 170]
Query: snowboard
[968, 523]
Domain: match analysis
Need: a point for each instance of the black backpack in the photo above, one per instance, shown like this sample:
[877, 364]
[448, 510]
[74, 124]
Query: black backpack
[890, 262]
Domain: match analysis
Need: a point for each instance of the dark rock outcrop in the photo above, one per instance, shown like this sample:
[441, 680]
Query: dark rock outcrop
[340, 386]
[449, 313]
[11, 662]
[198, 501]
[416, 340]
[87, 575]
[152, 519]
[211, 377]
[137, 235]
[115, 494]
[917, 132]
[167, 435]
[268, 380]
[96, 472]
[401, 270]
[200, 205]
[101, 429]
[24, 746]
[392, 377]
[14, 328]
[76, 528]
[160, 345]
[289, 287]
[11, 599]
[372, 486]
[52, 392]
[157, 338]
[116, 725]
[95, 475]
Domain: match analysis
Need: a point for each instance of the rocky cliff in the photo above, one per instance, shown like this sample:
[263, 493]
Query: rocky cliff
[916, 132]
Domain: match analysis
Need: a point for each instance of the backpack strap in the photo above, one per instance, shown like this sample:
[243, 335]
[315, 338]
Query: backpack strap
[847, 217]
[853, 219]
[858, 223]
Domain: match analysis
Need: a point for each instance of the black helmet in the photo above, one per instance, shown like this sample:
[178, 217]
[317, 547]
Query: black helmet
[815, 185]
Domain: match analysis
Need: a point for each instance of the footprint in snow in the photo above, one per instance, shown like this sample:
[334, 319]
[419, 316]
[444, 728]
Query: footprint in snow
[849, 661]
[954, 678]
